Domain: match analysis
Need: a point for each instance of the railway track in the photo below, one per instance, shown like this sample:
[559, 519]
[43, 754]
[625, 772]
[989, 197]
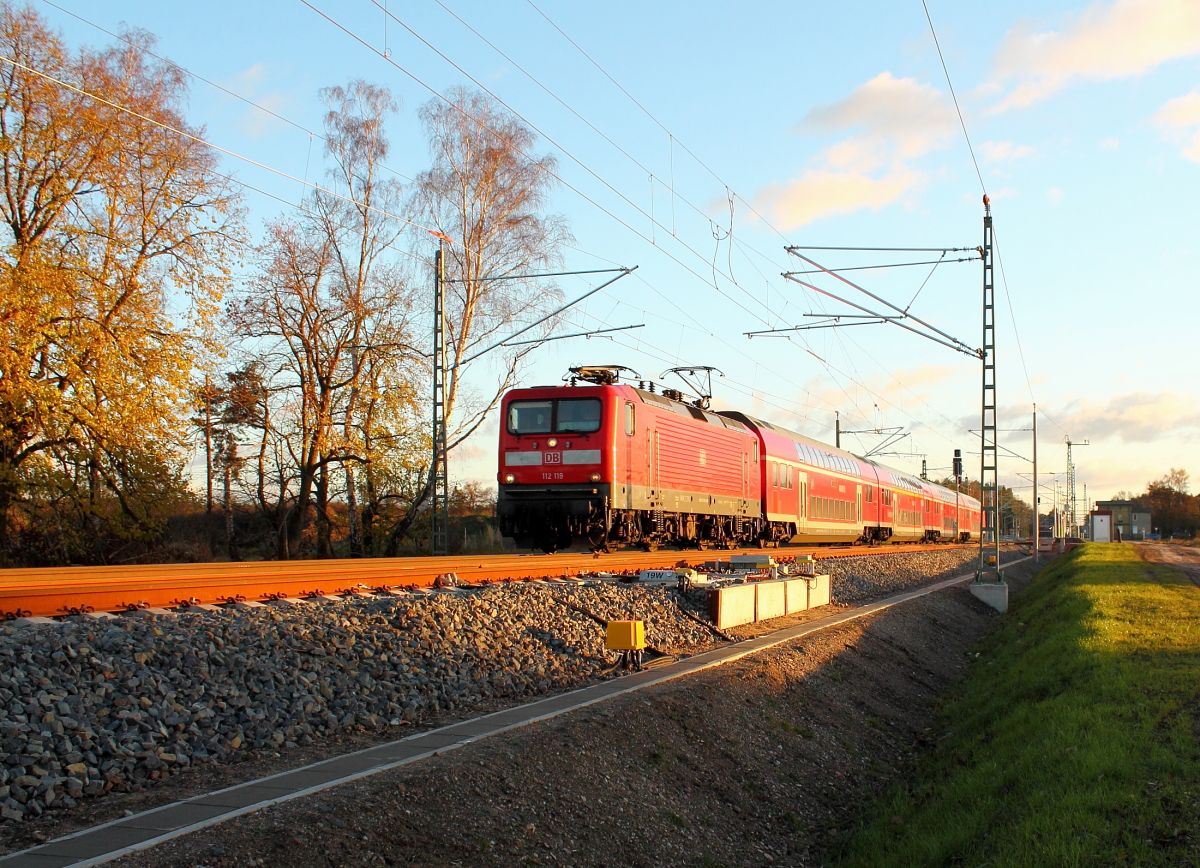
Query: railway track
[64, 591]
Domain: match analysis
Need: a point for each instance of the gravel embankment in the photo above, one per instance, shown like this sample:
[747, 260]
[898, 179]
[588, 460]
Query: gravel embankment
[90, 707]
[858, 578]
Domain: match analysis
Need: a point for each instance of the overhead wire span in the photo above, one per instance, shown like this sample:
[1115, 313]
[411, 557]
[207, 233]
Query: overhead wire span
[672, 138]
[567, 106]
[792, 247]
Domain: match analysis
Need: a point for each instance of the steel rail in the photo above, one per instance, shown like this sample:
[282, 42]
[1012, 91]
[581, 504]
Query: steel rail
[63, 591]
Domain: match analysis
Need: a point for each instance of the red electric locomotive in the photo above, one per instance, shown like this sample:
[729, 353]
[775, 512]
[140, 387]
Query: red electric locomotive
[614, 465]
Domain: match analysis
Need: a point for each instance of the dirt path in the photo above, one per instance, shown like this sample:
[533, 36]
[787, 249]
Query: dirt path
[1183, 558]
[761, 762]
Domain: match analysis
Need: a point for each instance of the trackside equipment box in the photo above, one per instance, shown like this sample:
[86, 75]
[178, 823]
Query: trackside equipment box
[625, 636]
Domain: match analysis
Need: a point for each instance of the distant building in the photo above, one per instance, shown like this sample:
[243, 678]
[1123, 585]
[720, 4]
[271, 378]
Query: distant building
[1131, 520]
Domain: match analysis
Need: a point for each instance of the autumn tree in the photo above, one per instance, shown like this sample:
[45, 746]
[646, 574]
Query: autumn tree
[1173, 507]
[119, 238]
[488, 193]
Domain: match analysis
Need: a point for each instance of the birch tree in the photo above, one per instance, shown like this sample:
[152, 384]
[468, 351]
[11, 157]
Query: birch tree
[328, 316]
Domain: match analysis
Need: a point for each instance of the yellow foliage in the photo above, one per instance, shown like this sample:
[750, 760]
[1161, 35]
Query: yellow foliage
[114, 265]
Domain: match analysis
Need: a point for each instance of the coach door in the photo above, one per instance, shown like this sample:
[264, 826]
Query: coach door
[745, 481]
[858, 517]
[802, 505]
[630, 429]
[652, 469]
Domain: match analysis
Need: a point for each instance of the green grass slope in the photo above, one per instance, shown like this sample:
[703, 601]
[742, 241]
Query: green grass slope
[1074, 740]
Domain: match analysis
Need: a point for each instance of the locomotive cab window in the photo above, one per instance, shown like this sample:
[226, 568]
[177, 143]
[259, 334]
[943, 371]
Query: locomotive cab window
[629, 418]
[529, 417]
[565, 416]
[577, 416]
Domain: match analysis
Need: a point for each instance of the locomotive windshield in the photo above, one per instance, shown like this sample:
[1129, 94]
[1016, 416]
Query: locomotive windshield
[564, 416]
[577, 416]
[529, 417]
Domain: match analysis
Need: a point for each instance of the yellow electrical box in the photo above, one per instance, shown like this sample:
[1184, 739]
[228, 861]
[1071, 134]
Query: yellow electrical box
[625, 636]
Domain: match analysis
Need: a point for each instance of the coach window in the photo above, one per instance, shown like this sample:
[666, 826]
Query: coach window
[629, 418]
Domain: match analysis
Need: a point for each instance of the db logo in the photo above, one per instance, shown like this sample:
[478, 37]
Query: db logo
[552, 458]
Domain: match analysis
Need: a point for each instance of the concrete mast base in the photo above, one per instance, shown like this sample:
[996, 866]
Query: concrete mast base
[995, 594]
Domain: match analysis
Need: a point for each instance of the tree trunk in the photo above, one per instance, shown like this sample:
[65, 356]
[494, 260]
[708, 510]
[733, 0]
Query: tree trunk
[401, 528]
[230, 539]
[354, 529]
[324, 549]
[369, 514]
[208, 468]
[6, 499]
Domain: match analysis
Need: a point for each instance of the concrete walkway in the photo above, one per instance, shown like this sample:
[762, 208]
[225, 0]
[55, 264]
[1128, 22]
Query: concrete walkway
[114, 839]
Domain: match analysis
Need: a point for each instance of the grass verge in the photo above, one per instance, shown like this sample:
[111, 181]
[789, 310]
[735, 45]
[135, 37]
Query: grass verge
[1074, 739]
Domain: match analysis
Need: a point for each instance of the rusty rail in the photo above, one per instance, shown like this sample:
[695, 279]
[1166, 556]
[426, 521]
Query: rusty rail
[62, 591]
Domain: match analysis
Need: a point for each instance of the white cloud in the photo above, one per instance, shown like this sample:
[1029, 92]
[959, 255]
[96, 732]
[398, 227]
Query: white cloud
[254, 121]
[820, 193]
[1055, 195]
[1134, 417]
[1110, 144]
[1180, 118]
[995, 152]
[1111, 40]
[913, 117]
[891, 121]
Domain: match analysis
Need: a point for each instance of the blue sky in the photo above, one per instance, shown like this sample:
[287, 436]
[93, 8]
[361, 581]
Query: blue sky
[803, 123]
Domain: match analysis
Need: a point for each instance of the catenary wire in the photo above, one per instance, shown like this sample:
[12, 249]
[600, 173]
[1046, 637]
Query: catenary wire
[674, 139]
[208, 144]
[201, 78]
[433, 48]
[565, 183]
[953, 96]
[639, 209]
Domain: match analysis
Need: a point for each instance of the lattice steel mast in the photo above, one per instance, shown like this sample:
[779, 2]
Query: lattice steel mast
[989, 531]
[1072, 504]
[439, 535]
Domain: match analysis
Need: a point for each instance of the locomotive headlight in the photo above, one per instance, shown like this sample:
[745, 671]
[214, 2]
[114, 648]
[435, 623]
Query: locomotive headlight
[551, 442]
[595, 477]
[509, 478]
